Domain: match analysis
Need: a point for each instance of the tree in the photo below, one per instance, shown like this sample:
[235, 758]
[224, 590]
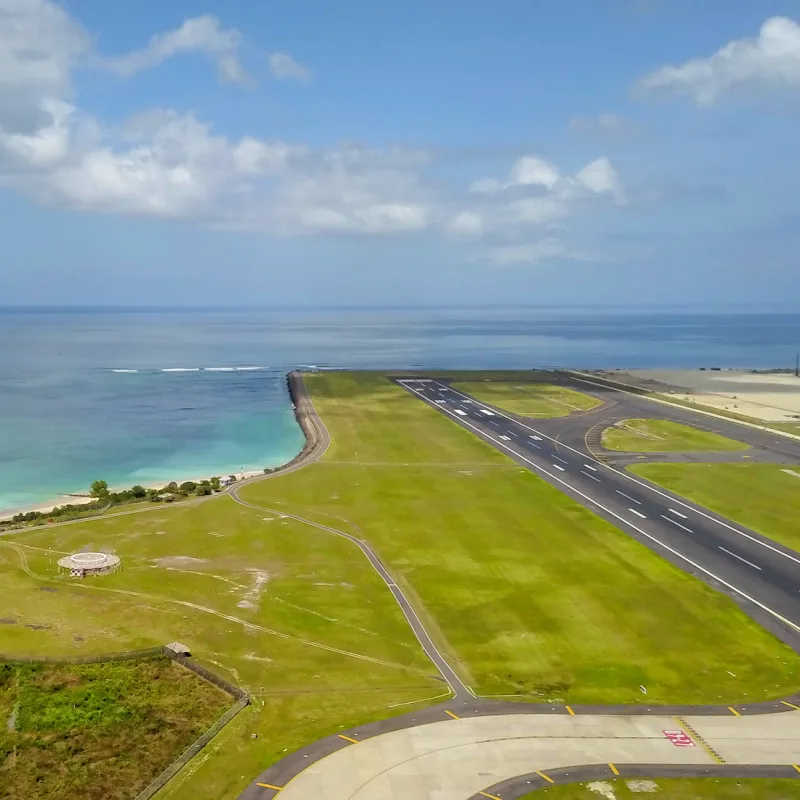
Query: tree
[215, 484]
[203, 490]
[188, 486]
[171, 487]
[99, 489]
[232, 478]
[138, 491]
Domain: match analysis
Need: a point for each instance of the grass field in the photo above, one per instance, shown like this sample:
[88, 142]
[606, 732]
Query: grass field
[761, 496]
[663, 436]
[533, 594]
[98, 731]
[677, 789]
[254, 596]
[529, 399]
[529, 593]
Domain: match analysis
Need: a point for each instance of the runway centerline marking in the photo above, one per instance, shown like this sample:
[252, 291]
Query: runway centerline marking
[627, 476]
[628, 497]
[630, 524]
[675, 522]
[744, 560]
[677, 513]
[734, 711]
[589, 475]
[451, 714]
[638, 513]
[269, 786]
[791, 705]
[546, 777]
[614, 769]
[348, 738]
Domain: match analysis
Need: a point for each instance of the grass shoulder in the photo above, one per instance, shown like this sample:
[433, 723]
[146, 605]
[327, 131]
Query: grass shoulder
[98, 730]
[533, 595]
[528, 399]
[663, 436]
[675, 789]
[763, 497]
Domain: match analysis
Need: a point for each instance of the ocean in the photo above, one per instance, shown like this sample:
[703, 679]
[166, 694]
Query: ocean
[148, 396]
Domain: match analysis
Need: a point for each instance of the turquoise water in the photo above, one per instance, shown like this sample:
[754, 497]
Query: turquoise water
[148, 397]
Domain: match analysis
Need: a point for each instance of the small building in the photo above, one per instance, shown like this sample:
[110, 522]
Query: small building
[165, 497]
[179, 649]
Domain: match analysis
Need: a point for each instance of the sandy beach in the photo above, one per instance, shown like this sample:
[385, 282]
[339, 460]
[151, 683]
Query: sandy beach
[765, 396]
[66, 500]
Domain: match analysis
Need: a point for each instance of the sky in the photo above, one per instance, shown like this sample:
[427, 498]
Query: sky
[308, 153]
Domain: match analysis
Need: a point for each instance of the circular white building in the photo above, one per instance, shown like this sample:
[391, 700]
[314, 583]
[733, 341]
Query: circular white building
[82, 564]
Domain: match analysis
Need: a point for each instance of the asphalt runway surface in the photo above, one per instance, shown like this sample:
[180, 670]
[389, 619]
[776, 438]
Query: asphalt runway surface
[759, 574]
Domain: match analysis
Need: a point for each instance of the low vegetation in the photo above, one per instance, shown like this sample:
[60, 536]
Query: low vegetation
[530, 398]
[675, 789]
[98, 731]
[763, 497]
[532, 594]
[663, 436]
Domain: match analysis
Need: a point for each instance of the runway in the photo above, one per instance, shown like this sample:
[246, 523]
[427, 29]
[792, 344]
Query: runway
[761, 575]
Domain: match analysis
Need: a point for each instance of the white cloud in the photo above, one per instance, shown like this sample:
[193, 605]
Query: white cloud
[607, 124]
[467, 223]
[203, 34]
[533, 171]
[772, 59]
[549, 249]
[165, 164]
[283, 66]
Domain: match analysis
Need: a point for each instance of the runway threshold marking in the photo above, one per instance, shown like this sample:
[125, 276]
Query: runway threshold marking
[451, 714]
[269, 786]
[589, 466]
[743, 560]
[613, 768]
[561, 468]
[589, 475]
[734, 711]
[791, 705]
[348, 738]
[638, 513]
[677, 513]
[546, 777]
[570, 711]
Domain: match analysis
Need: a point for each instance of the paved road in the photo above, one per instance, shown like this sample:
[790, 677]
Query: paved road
[762, 576]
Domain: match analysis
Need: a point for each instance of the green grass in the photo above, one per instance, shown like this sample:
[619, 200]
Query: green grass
[529, 593]
[99, 731]
[682, 789]
[319, 591]
[529, 399]
[760, 496]
[533, 594]
[663, 436]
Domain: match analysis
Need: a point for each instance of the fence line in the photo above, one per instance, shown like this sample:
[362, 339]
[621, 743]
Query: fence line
[242, 699]
[192, 750]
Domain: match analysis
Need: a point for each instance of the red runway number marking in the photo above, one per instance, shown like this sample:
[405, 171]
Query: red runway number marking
[679, 738]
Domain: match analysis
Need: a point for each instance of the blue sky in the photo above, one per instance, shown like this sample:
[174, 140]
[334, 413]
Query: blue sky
[313, 153]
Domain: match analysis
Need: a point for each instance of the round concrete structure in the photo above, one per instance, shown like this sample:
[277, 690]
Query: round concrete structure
[82, 564]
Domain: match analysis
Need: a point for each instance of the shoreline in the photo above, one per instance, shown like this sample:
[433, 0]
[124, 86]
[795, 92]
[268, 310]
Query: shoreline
[314, 435]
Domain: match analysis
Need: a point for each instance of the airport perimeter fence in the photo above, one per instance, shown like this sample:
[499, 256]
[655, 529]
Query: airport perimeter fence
[128, 655]
[176, 766]
[242, 698]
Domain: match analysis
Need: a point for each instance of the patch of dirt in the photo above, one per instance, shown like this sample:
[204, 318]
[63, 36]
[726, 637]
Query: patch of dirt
[47, 589]
[603, 788]
[7, 621]
[161, 533]
[260, 579]
[254, 657]
[642, 786]
[178, 561]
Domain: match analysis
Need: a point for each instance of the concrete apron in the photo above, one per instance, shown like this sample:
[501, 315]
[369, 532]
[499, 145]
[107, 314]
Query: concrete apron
[458, 758]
